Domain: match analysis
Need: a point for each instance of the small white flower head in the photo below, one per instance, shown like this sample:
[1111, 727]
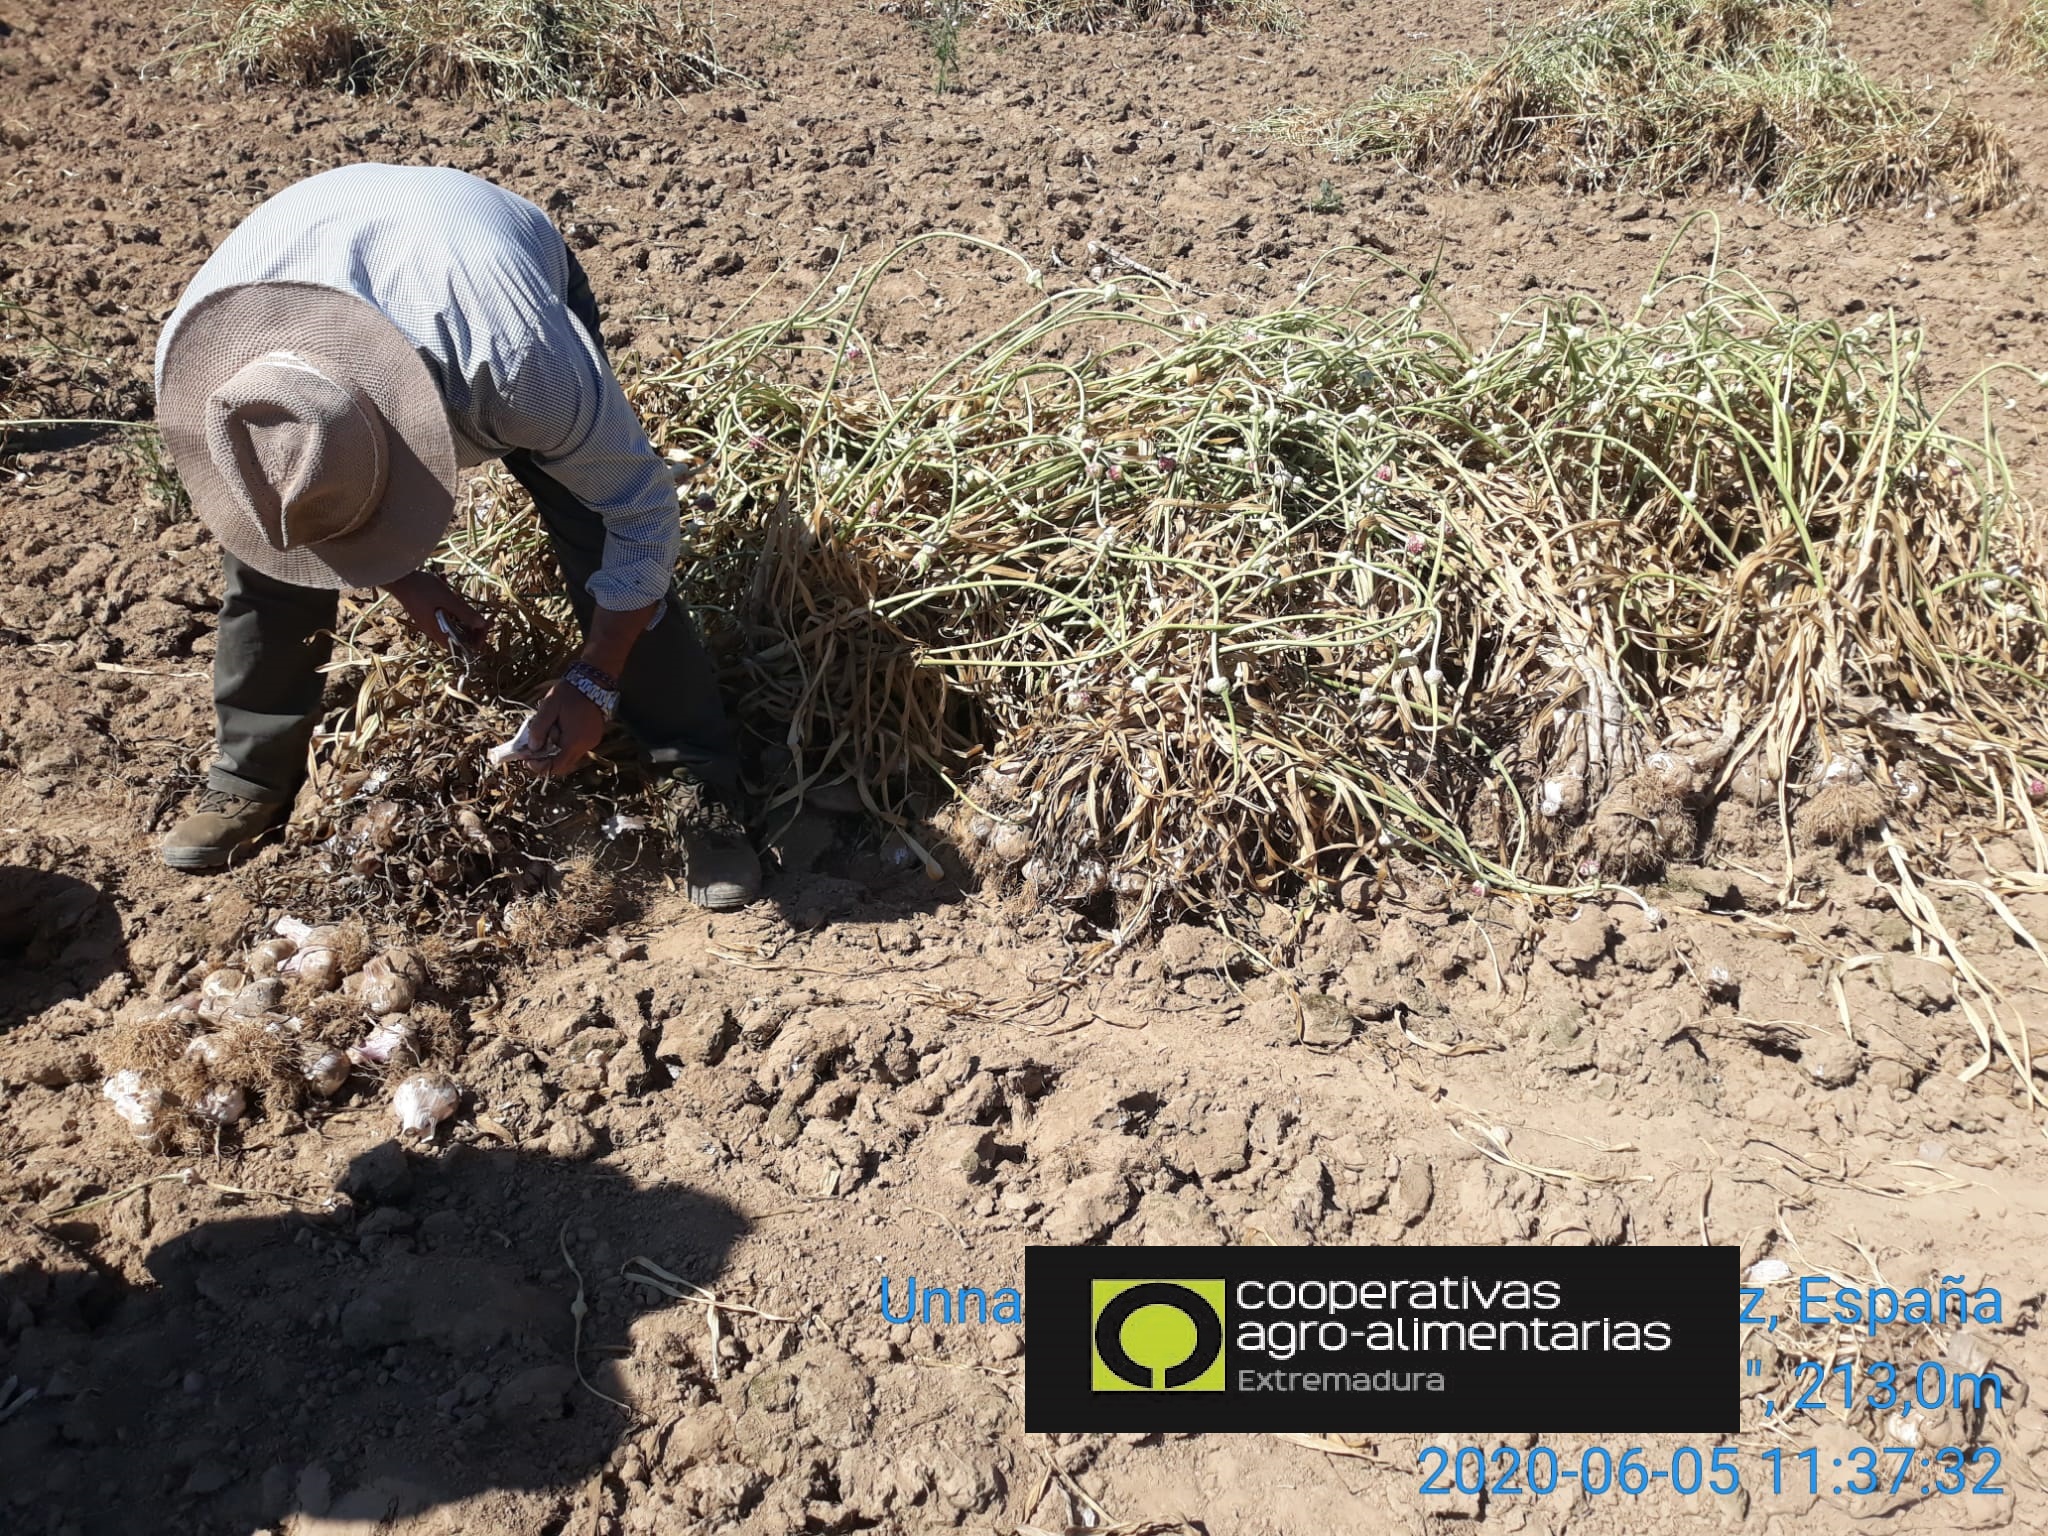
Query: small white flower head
[1218, 684]
[1433, 676]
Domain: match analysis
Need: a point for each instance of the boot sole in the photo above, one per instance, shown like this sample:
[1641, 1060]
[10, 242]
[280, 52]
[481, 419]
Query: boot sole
[200, 861]
[207, 861]
[702, 898]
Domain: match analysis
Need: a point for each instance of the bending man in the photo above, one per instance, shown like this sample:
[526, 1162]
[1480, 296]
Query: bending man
[357, 340]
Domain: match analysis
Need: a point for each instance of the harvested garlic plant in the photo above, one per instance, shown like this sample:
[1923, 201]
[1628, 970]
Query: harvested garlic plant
[423, 1101]
[406, 963]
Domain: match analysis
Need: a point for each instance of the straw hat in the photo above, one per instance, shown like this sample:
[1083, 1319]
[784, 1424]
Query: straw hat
[311, 436]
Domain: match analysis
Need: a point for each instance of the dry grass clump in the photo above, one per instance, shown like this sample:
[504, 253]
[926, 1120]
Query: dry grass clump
[1106, 15]
[2019, 40]
[1193, 609]
[1250, 605]
[586, 50]
[1665, 95]
[1197, 609]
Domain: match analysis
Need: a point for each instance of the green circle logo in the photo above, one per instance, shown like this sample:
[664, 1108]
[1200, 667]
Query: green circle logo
[1158, 1335]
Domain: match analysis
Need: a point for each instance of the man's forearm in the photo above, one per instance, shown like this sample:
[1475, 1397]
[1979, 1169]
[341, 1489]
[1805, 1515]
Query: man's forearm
[613, 632]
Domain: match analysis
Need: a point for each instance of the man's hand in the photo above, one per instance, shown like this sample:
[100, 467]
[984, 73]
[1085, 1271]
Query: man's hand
[569, 721]
[422, 595]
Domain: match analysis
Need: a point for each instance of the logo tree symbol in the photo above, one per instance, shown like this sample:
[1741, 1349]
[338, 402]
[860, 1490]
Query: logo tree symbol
[1158, 1336]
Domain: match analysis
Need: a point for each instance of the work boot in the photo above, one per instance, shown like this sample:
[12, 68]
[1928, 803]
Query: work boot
[721, 870]
[220, 827]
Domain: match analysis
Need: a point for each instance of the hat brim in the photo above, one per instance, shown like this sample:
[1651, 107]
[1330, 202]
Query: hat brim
[352, 339]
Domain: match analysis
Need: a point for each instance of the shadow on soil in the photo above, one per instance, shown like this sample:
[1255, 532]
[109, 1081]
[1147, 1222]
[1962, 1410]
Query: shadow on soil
[59, 938]
[416, 1353]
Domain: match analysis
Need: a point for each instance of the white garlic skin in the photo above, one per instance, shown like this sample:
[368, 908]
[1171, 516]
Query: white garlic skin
[384, 1042]
[327, 1073]
[266, 957]
[423, 1101]
[219, 990]
[223, 983]
[139, 1102]
[383, 988]
[316, 960]
[223, 1106]
[256, 998]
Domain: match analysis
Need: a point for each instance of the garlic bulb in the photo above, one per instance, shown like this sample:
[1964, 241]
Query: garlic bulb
[423, 1101]
[317, 961]
[218, 990]
[1011, 843]
[137, 1101]
[386, 1041]
[380, 825]
[293, 929]
[223, 1106]
[266, 957]
[327, 1072]
[256, 998]
[384, 990]
[402, 962]
[205, 1049]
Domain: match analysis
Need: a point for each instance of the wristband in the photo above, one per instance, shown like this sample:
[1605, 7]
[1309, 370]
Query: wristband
[595, 684]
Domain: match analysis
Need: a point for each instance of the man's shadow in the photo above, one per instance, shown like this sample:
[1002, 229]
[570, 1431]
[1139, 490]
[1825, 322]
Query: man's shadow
[59, 938]
[416, 1352]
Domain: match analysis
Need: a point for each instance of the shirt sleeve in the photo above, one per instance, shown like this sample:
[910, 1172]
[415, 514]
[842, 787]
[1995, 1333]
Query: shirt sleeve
[564, 406]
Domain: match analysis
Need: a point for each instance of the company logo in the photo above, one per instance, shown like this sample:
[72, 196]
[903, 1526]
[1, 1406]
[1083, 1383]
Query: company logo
[1158, 1335]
